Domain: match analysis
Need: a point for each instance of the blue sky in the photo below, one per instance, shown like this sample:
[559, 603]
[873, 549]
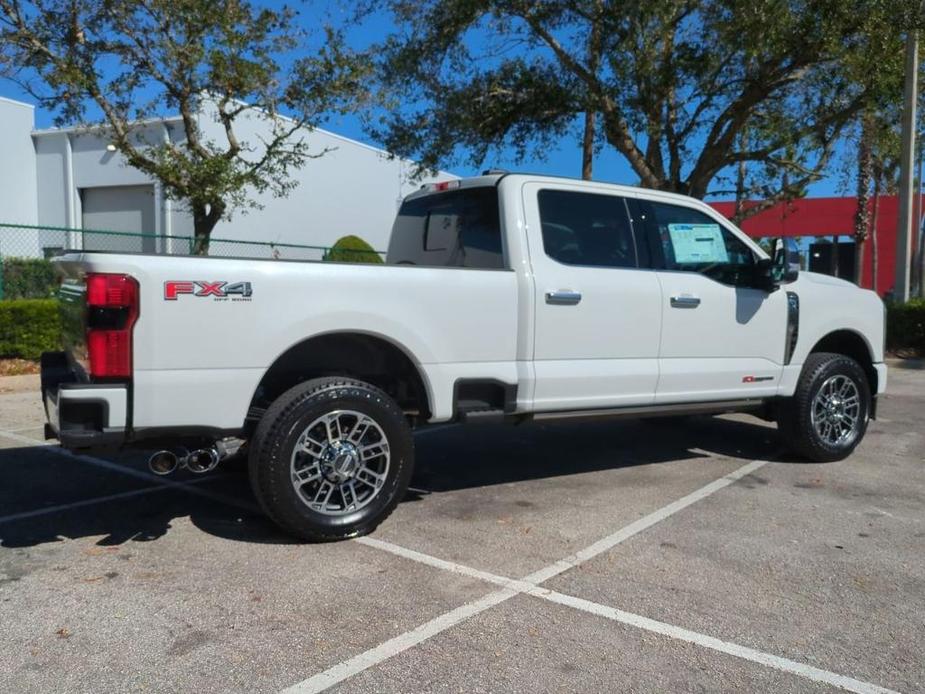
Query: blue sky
[563, 160]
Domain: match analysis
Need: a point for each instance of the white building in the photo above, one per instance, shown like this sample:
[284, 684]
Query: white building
[69, 178]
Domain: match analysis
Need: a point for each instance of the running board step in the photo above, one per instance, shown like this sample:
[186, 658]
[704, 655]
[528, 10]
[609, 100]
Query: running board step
[482, 415]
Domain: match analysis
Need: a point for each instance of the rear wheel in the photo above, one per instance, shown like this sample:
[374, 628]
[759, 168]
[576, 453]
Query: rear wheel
[827, 416]
[331, 458]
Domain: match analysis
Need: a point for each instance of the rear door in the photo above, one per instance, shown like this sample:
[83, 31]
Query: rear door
[721, 337]
[598, 306]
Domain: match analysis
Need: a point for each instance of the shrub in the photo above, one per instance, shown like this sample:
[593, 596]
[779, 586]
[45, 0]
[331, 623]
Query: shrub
[29, 327]
[28, 278]
[352, 249]
[905, 326]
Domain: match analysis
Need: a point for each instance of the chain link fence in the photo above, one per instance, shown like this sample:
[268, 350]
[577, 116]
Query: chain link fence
[25, 250]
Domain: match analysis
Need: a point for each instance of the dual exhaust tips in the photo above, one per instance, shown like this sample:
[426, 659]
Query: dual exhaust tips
[199, 461]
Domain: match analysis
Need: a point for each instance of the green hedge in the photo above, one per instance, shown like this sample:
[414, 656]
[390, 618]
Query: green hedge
[28, 278]
[352, 249]
[905, 326]
[29, 327]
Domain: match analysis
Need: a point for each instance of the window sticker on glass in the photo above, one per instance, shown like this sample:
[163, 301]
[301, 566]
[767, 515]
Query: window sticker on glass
[698, 243]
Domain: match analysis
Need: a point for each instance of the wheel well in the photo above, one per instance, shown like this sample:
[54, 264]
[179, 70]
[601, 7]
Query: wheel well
[365, 357]
[851, 345]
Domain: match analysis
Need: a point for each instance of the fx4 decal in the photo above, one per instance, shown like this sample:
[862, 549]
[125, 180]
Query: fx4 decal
[237, 291]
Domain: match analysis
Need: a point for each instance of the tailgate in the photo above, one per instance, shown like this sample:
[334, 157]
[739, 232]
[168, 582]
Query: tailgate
[84, 410]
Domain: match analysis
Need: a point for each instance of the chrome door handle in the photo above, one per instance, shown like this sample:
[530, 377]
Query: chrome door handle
[685, 301]
[563, 297]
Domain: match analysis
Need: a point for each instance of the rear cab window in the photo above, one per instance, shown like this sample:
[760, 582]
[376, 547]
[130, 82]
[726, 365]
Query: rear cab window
[456, 228]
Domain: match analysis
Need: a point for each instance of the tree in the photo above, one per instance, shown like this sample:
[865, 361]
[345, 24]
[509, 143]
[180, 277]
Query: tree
[886, 180]
[685, 90]
[873, 154]
[115, 63]
[865, 174]
[352, 249]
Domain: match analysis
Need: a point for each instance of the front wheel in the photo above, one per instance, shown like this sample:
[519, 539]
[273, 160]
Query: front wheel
[827, 417]
[331, 459]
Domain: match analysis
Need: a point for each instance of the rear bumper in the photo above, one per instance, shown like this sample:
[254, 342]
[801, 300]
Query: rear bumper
[80, 414]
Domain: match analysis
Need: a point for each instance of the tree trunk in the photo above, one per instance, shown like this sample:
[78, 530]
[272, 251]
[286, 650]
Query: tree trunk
[594, 49]
[201, 232]
[740, 193]
[918, 262]
[741, 174]
[204, 221]
[874, 270]
[587, 146]
[862, 213]
[859, 261]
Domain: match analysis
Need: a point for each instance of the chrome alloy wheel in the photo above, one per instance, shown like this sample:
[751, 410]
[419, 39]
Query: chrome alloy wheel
[836, 411]
[340, 462]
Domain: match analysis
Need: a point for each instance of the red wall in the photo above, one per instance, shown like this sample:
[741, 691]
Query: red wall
[829, 217]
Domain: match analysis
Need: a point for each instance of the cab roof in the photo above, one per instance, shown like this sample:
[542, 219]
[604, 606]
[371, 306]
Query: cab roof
[493, 178]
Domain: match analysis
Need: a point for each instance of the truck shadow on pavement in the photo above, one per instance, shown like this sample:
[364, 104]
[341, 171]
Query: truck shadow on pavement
[476, 456]
[46, 497]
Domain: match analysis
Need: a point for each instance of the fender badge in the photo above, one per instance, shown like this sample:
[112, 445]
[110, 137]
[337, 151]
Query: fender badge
[237, 291]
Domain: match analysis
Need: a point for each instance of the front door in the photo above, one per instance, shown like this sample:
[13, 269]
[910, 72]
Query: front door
[598, 306]
[721, 337]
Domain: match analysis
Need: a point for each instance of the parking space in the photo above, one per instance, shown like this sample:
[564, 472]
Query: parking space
[628, 555]
[509, 649]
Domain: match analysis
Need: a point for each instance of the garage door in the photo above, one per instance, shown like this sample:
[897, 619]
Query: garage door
[119, 208]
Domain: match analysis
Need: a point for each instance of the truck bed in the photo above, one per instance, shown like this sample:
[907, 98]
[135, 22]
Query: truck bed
[452, 322]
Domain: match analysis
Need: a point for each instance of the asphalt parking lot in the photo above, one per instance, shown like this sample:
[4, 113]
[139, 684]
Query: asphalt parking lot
[607, 556]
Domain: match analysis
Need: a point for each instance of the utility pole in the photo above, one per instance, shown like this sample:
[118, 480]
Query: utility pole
[918, 239]
[907, 164]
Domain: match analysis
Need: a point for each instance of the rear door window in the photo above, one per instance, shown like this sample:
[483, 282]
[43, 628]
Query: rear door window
[589, 229]
[458, 228]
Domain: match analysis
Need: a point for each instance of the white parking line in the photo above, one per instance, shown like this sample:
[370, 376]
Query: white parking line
[745, 653]
[643, 523]
[521, 586]
[131, 472]
[671, 631]
[385, 650]
[403, 642]
[96, 500]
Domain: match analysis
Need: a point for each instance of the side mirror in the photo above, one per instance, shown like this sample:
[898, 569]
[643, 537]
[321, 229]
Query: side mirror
[785, 262]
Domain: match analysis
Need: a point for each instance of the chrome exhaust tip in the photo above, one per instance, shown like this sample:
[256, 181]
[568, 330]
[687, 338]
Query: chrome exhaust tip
[202, 461]
[163, 463]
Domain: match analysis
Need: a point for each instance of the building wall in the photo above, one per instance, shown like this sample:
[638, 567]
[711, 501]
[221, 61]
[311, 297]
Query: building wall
[52, 154]
[71, 162]
[351, 189]
[828, 217]
[18, 202]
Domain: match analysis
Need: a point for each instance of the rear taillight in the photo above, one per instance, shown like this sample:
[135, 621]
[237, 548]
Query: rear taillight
[112, 308]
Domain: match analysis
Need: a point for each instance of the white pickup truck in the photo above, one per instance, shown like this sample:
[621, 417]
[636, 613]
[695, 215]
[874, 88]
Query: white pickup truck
[504, 297]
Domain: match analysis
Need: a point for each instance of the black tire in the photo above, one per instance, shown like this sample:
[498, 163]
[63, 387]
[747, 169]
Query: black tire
[795, 418]
[272, 455]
